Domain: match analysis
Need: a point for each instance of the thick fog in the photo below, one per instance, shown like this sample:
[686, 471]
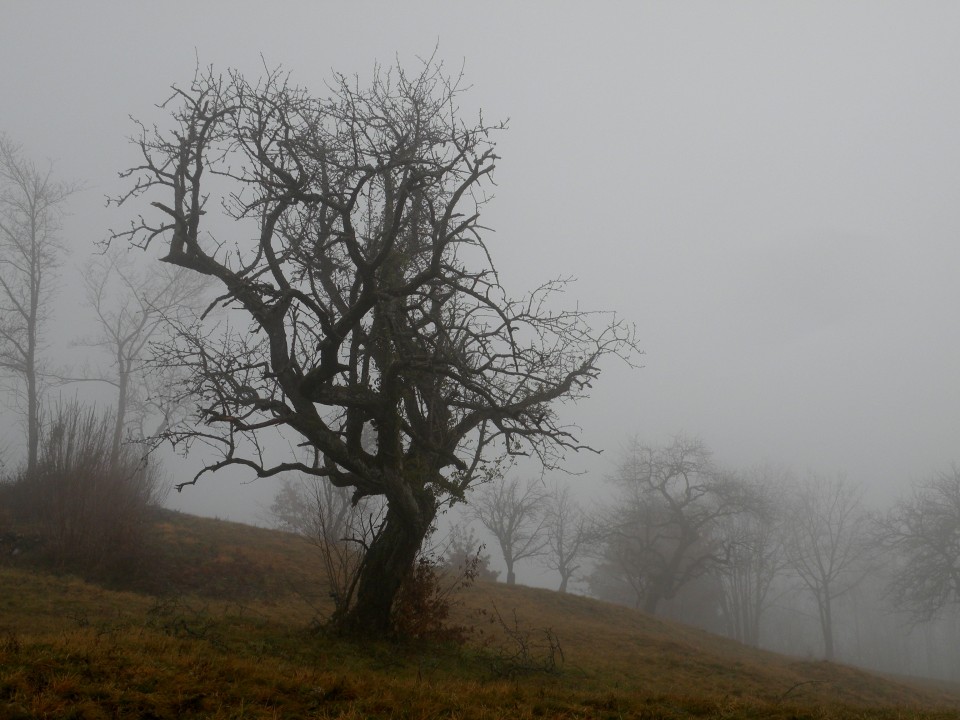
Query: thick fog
[767, 190]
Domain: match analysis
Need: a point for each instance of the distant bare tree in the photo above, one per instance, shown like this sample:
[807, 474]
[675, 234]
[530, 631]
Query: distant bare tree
[31, 206]
[315, 509]
[569, 533]
[662, 531]
[826, 544]
[132, 306]
[292, 510]
[923, 530]
[513, 512]
[465, 551]
[756, 558]
[327, 516]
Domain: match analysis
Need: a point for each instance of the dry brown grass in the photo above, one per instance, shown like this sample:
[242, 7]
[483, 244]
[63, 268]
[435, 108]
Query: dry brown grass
[70, 649]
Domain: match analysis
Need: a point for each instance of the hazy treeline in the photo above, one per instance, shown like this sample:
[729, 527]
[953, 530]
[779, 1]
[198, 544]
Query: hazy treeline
[795, 564]
[799, 565]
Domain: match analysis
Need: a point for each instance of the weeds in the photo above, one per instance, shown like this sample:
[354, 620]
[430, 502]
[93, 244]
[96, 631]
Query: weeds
[175, 617]
[528, 652]
[10, 643]
[422, 610]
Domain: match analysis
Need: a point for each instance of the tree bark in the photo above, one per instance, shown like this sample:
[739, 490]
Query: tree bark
[388, 563]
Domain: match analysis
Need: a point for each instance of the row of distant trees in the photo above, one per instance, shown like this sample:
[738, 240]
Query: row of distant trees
[681, 536]
[683, 531]
[686, 537]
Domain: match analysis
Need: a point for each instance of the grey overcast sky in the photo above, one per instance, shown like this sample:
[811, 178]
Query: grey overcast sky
[769, 190]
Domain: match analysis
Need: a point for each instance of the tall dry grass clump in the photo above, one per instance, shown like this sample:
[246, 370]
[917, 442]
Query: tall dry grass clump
[88, 505]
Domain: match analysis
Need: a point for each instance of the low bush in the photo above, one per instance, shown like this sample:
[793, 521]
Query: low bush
[89, 507]
[422, 609]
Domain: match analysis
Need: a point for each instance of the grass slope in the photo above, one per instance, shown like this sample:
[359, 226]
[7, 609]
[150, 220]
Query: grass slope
[226, 633]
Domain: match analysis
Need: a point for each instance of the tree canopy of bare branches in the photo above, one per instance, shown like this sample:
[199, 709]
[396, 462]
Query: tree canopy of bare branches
[570, 533]
[31, 206]
[923, 531]
[662, 532]
[512, 511]
[349, 237]
[131, 307]
[825, 542]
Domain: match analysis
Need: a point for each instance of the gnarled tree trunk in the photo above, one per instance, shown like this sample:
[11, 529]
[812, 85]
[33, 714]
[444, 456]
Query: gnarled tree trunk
[388, 563]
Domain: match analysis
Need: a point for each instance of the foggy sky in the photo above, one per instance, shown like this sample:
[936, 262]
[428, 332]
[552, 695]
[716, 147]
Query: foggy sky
[768, 190]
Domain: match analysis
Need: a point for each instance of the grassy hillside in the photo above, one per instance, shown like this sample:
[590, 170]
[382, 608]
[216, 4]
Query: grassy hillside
[227, 631]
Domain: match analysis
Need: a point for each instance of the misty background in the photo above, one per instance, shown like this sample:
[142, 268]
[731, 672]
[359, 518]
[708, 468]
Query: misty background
[767, 190]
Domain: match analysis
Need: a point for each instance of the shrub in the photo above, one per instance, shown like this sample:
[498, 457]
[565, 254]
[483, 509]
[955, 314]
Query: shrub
[89, 508]
[338, 527]
[465, 549]
[421, 612]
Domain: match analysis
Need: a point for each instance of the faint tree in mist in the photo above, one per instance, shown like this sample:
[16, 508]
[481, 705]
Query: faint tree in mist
[341, 529]
[663, 530]
[826, 544]
[464, 550]
[133, 307]
[756, 558]
[31, 251]
[315, 509]
[513, 512]
[923, 532]
[569, 531]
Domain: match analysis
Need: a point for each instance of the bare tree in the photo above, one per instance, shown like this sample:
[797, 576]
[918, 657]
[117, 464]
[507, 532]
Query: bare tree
[569, 533]
[923, 531]
[327, 516]
[825, 544]
[513, 512]
[465, 551]
[754, 537]
[31, 206]
[369, 296]
[662, 532]
[132, 307]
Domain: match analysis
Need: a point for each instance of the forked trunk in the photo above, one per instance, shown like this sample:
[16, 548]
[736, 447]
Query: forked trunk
[389, 561]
